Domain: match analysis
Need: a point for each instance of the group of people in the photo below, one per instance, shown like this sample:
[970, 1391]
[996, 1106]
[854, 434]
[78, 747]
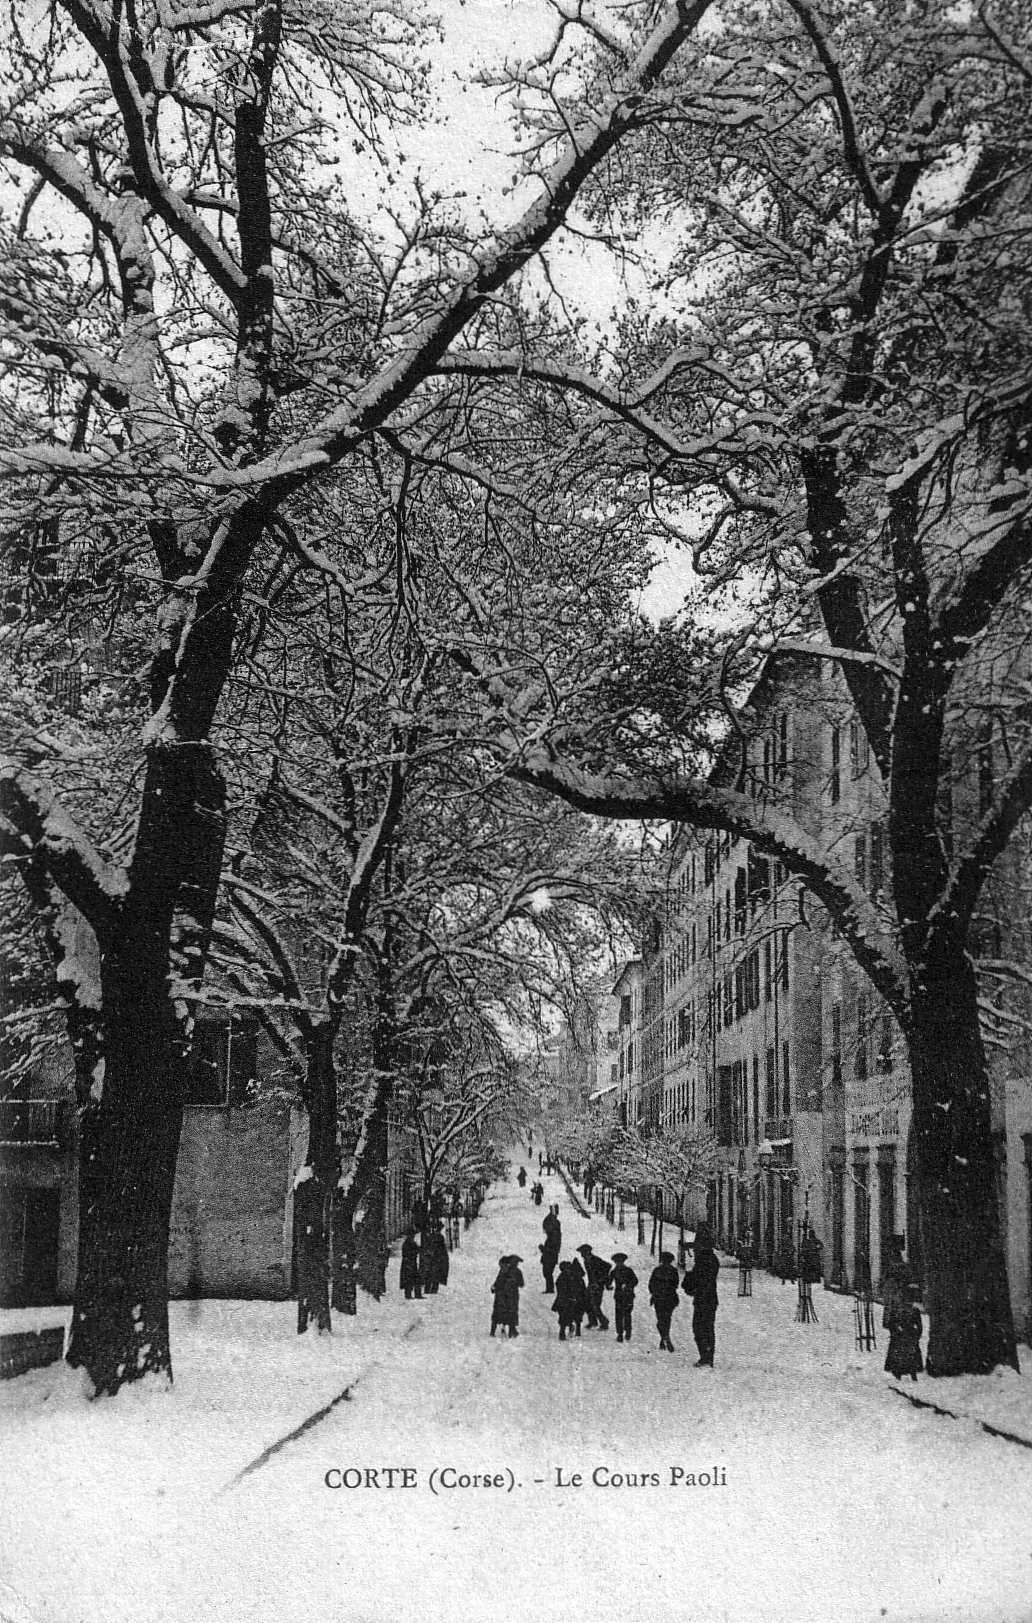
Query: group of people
[424, 1268]
[584, 1279]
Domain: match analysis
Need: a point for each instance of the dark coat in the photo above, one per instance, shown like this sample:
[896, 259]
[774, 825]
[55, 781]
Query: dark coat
[506, 1290]
[895, 1289]
[624, 1282]
[701, 1281]
[434, 1261]
[553, 1233]
[409, 1263]
[904, 1352]
[571, 1298]
[663, 1286]
[598, 1272]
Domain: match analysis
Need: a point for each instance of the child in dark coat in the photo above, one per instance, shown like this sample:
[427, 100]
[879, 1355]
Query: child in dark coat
[571, 1299]
[623, 1281]
[663, 1296]
[506, 1288]
[904, 1353]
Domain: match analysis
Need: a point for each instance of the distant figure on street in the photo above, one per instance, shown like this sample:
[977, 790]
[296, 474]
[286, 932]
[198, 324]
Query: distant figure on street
[521, 1177]
[904, 1353]
[433, 1262]
[409, 1279]
[506, 1289]
[538, 1193]
[810, 1254]
[597, 1271]
[571, 1299]
[663, 1296]
[541, 1162]
[624, 1282]
[700, 1283]
[550, 1249]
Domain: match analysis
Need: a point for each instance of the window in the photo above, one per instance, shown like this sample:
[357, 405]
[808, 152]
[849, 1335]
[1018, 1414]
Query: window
[729, 1006]
[786, 1091]
[767, 980]
[862, 1032]
[835, 784]
[720, 914]
[707, 862]
[859, 750]
[771, 1098]
[784, 959]
[223, 1061]
[740, 901]
[836, 1045]
[756, 1097]
[885, 1044]
[985, 777]
[727, 914]
[782, 743]
[683, 1028]
[876, 873]
[758, 881]
[767, 752]
[860, 860]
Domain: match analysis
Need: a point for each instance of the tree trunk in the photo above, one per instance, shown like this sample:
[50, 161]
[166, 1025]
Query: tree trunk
[971, 1328]
[130, 1136]
[129, 1143]
[313, 1196]
[372, 1252]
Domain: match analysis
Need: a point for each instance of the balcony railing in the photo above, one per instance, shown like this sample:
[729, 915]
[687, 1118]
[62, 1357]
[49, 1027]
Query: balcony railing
[31, 1121]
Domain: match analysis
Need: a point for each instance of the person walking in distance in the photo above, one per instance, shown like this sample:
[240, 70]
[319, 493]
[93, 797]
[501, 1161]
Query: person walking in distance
[663, 1296]
[521, 1177]
[570, 1299]
[506, 1290]
[700, 1283]
[624, 1282]
[409, 1279]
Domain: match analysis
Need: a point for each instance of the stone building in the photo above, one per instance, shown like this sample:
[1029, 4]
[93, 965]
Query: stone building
[757, 1024]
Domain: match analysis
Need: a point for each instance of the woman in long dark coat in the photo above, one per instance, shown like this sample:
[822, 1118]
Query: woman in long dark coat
[506, 1290]
[904, 1353]
[571, 1299]
[409, 1279]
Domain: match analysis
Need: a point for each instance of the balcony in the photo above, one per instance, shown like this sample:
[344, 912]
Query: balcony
[31, 1121]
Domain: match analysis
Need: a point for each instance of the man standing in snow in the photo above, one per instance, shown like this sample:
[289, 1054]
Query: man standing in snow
[598, 1278]
[551, 1248]
[624, 1282]
[700, 1283]
[663, 1296]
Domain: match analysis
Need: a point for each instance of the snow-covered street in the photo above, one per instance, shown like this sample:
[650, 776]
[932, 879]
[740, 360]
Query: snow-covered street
[828, 1496]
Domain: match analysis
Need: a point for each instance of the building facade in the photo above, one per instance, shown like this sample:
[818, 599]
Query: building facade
[757, 1024]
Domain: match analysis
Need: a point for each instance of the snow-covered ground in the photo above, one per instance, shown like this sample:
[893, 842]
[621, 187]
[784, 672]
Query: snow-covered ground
[835, 1498]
